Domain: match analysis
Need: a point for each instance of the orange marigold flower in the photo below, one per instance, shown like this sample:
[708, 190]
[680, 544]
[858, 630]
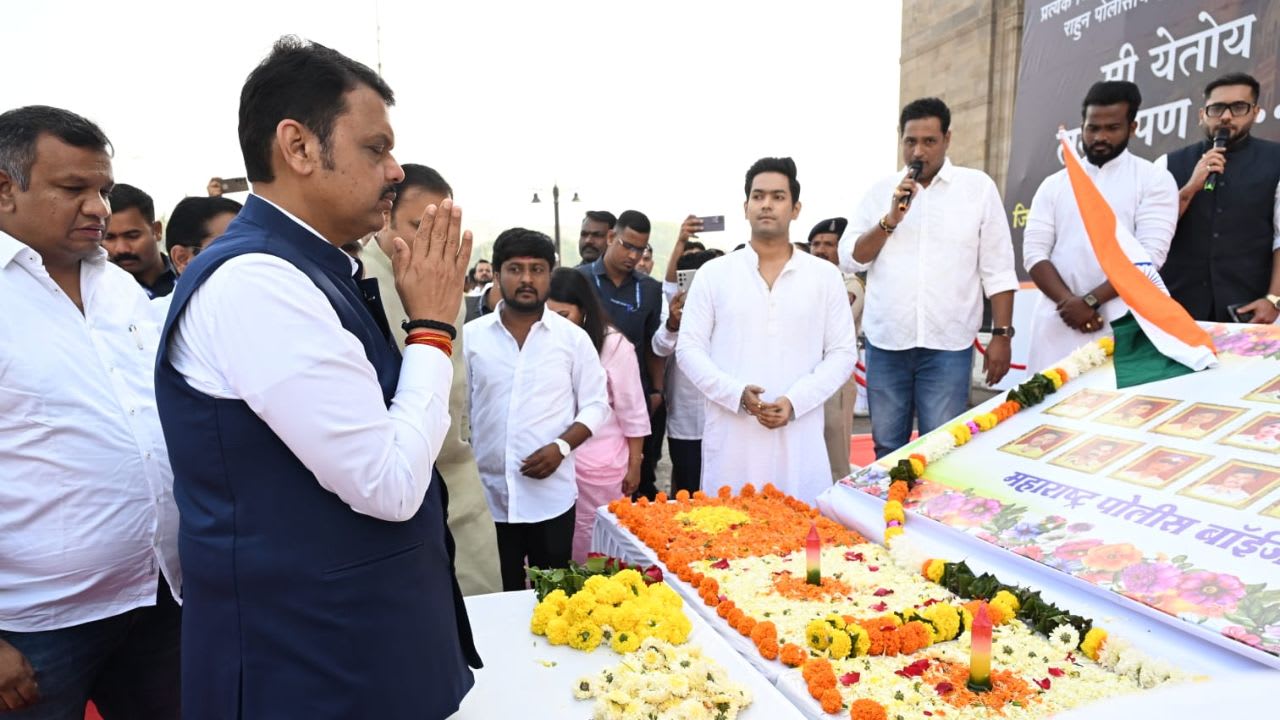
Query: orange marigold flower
[723, 608]
[831, 701]
[682, 495]
[661, 497]
[865, 709]
[747, 491]
[725, 492]
[769, 650]
[747, 624]
[793, 655]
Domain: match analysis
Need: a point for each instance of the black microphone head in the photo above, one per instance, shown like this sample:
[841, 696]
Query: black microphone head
[1221, 137]
[915, 168]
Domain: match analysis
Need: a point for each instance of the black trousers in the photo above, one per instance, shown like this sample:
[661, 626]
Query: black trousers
[652, 454]
[686, 465]
[546, 544]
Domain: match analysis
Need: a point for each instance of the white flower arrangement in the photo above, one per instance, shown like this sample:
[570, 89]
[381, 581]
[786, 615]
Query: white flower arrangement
[662, 680]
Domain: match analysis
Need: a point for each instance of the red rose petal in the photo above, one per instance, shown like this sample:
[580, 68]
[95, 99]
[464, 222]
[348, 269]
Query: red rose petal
[721, 565]
[1044, 684]
[850, 678]
[943, 688]
[881, 592]
[873, 568]
[1055, 672]
[853, 556]
[880, 607]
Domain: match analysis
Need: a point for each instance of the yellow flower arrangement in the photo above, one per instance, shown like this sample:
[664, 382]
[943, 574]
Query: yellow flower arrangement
[933, 570]
[712, 520]
[986, 421]
[1108, 345]
[620, 610]
[893, 511]
[916, 466]
[1007, 603]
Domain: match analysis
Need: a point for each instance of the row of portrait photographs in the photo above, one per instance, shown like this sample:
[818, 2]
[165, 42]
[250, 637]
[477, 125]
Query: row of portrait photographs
[1235, 484]
[1195, 422]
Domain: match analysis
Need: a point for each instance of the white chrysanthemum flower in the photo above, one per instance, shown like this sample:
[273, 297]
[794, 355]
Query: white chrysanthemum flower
[907, 555]
[585, 687]
[1065, 638]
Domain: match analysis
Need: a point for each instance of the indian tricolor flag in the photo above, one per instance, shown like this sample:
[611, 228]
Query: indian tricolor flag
[1162, 324]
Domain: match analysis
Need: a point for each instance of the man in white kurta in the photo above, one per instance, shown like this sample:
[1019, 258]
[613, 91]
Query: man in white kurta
[794, 339]
[1144, 198]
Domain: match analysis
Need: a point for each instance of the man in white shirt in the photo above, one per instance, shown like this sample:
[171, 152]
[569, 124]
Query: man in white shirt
[767, 337]
[88, 526]
[538, 391]
[469, 517]
[320, 567]
[1078, 302]
[932, 246]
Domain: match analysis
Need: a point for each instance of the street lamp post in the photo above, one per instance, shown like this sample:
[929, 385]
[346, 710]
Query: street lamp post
[555, 202]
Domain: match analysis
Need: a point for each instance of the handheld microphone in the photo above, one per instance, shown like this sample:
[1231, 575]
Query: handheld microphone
[913, 172]
[1220, 139]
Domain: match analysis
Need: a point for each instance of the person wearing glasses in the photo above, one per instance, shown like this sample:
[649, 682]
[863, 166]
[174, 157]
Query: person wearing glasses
[1221, 264]
[1079, 303]
[193, 224]
[633, 302]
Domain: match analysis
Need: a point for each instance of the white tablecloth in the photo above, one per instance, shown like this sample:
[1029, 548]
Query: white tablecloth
[516, 682]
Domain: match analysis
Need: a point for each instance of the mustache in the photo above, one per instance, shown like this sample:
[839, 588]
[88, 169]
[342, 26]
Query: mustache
[122, 257]
[389, 190]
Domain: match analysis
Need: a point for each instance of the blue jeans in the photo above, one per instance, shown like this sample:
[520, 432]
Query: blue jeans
[127, 664]
[929, 386]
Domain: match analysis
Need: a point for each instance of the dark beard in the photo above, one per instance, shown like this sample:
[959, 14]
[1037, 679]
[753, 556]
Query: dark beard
[1105, 157]
[521, 306]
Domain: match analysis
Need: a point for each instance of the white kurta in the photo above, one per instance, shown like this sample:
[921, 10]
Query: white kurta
[1144, 198]
[795, 340]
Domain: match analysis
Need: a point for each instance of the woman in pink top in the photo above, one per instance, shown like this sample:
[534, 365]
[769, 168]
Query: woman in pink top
[608, 463]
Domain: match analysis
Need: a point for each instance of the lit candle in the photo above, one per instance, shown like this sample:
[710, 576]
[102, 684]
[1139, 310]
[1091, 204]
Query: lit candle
[980, 651]
[813, 556]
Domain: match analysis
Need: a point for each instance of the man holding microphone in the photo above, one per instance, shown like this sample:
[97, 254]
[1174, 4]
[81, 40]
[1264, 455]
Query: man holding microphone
[932, 243]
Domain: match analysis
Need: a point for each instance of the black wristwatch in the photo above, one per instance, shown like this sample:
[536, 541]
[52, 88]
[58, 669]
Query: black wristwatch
[1091, 301]
[1007, 331]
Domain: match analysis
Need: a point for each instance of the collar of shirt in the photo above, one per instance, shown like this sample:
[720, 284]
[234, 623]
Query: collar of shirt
[751, 260]
[355, 266]
[1113, 165]
[11, 249]
[599, 271]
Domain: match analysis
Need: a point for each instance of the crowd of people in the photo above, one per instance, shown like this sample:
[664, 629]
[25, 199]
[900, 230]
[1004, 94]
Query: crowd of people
[316, 425]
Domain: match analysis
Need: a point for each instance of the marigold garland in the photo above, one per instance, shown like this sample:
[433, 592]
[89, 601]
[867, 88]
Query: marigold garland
[776, 523]
[865, 709]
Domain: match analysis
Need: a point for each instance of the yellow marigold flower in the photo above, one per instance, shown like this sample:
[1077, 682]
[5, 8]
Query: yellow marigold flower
[835, 621]
[1107, 344]
[935, 569]
[917, 467]
[893, 511]
[987, 421]
[558, 631]
[585, 636]
[908, 614]
[945, 620]
[818, 634]
[542, 615]
[1096, 638]
[556, 598]
[860, 639]
[1008, 601]
[714, 519]
[1054, 378]
[625, 642]
[891, 533]
[840, 646]
[630, 579]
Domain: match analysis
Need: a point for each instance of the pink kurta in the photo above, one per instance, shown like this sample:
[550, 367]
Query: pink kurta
[601, 461]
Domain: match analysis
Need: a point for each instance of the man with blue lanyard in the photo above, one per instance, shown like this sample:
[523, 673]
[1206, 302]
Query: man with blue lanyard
[634, 304]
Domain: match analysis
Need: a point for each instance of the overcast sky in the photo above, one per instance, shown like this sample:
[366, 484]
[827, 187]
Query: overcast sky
[658, 106]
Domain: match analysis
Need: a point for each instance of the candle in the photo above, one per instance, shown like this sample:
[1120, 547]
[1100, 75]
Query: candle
[813, 556]
[980, 651]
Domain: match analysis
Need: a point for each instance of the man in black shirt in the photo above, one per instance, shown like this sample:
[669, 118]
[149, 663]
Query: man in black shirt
[1222, 262]
[595, 235]
[132, 240]
[634, 304]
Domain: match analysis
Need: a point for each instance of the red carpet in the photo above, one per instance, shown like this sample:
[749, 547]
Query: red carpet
[862, 451]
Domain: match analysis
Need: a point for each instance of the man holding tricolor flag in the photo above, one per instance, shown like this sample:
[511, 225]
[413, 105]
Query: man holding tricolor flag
[1096, 236]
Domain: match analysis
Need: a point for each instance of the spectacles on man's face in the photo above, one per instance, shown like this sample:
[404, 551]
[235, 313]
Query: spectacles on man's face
[630, 249]
[1238, 109]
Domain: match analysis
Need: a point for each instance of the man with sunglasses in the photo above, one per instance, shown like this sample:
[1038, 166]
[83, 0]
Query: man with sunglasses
[634, 303]
[1221, 264]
